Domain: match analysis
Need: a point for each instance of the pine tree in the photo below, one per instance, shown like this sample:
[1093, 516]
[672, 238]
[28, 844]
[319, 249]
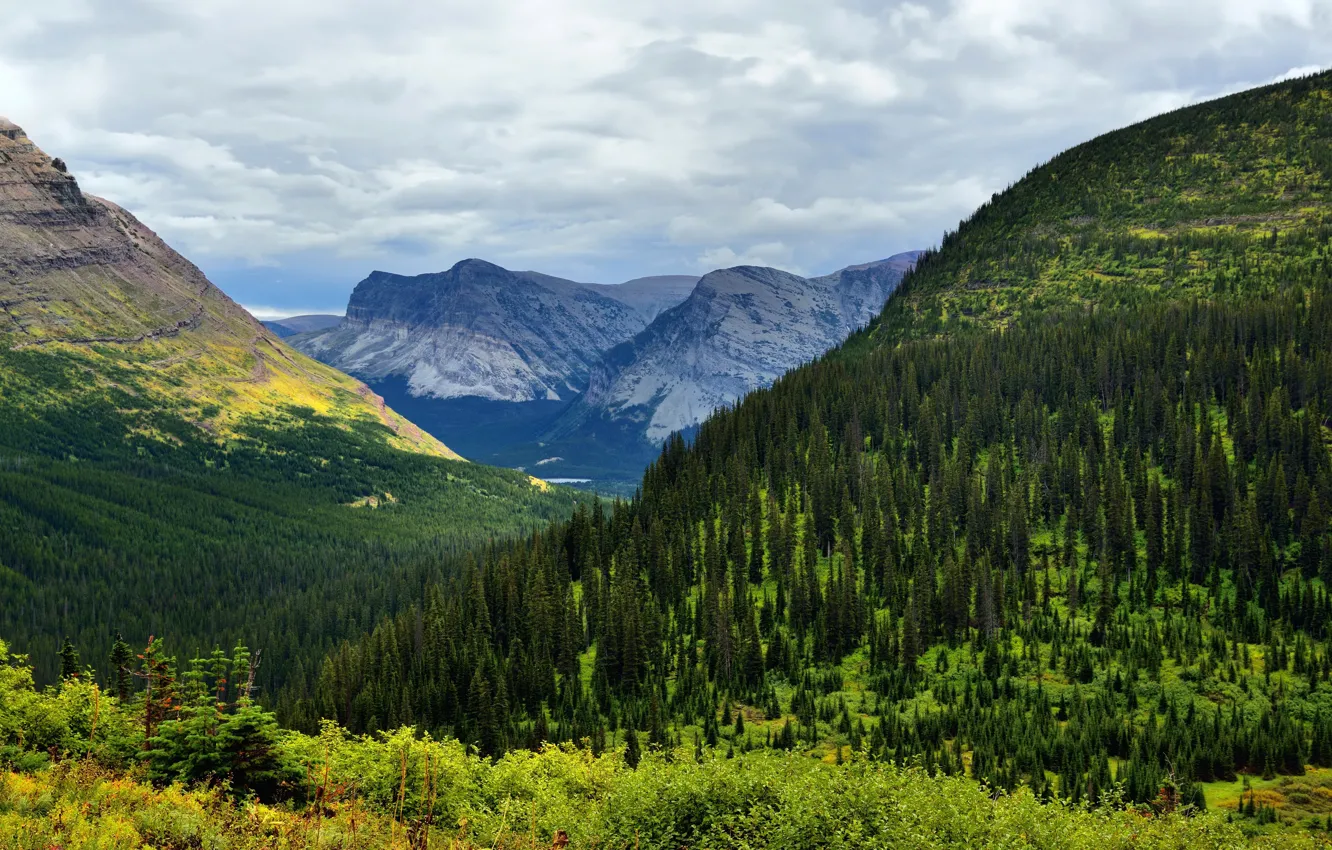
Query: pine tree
[632, 753]
[69, 661]
[121, 657]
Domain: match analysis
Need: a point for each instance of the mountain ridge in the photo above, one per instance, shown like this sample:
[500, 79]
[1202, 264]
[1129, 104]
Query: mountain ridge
[454, 348]
[476, 329]
[81, 277]
[739, 330]
[292, 325]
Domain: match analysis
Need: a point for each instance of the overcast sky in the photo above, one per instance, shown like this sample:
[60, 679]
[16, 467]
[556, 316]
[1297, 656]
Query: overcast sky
[291, 146]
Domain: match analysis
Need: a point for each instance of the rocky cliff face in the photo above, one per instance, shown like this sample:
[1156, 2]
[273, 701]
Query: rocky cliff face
[69, 263]
[739, 330]
[483, 331]
[84, 281]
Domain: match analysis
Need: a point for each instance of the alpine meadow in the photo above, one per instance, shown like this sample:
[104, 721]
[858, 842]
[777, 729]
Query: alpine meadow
[1039, 558]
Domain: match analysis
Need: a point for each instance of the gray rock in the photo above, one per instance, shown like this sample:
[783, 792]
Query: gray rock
[739, 330]
[484, 331]
[652, 296]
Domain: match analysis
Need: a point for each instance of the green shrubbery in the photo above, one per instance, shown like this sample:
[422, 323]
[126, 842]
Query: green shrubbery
[77, 774]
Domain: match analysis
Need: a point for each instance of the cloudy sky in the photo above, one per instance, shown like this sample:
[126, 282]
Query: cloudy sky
[290, 146]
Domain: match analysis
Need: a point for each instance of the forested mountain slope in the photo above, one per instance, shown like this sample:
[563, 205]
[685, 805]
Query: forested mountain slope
[167, 465]
[1060, 518]
[1228, 199]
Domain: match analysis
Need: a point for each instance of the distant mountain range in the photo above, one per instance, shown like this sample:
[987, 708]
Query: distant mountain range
[740, 329]
[522, 368]
[293, 325]
[478, 330]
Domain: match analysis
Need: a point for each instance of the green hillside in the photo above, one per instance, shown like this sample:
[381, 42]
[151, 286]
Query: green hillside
[294, 536]
[169, 467]
[1222, 200]
[1058, 520]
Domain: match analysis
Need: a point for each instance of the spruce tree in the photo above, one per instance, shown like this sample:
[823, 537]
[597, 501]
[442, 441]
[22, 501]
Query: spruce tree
[69, 661]
[121, 657]
[632, 752]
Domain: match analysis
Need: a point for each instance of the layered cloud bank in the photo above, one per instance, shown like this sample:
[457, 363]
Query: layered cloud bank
[291, 145]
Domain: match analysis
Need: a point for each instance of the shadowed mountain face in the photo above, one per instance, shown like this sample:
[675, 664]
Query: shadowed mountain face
[85, 287]
[478, 330]
[740, 329]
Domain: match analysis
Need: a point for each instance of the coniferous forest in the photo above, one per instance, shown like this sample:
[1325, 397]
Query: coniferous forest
[291, 538]
[1059, 519]
[1057, 524]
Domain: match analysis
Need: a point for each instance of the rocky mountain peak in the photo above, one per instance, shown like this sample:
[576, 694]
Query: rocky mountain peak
[475, 330]
[36, 190]
[478, 267]
[742, 328]
[740, 279]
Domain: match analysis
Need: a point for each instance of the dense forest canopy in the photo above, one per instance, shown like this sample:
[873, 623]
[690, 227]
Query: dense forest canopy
[1059, 518]
[297, 531]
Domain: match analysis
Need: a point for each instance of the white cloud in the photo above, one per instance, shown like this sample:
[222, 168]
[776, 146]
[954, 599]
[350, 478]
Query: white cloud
[1296, 73]
[767, 254]
[598, 139]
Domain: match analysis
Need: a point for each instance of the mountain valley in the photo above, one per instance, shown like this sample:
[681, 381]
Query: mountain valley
[1024, 540]
[155, 439]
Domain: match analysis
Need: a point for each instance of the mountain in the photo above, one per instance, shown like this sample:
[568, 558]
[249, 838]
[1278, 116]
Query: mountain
[1130, 217]
[1059, 520]
[527, 370]
[167, 464]
[293, 325]
[477, 330]
[85, 283]
[740, 329]
[651, 296]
